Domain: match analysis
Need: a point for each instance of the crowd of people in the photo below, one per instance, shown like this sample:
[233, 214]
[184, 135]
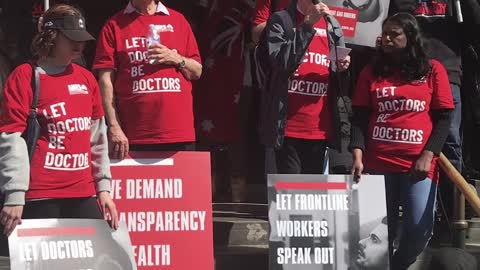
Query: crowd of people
[163, 91]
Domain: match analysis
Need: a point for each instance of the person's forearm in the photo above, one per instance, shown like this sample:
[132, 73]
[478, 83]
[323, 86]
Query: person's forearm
[99, 154]
[106, 87]
[357, 154]
[14, 168]
[440, 129]
[360, 118]
[257, 31]
[192, 70]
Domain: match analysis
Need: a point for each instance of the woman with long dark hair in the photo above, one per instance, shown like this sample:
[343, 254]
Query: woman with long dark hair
[402, 104]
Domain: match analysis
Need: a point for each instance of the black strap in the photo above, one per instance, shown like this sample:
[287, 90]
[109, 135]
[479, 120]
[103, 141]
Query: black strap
[35, 88]
[33, 127]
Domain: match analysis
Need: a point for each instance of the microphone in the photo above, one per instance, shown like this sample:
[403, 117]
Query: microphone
[316, 2]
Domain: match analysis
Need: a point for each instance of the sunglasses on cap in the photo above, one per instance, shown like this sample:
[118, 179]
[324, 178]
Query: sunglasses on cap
[73, 27]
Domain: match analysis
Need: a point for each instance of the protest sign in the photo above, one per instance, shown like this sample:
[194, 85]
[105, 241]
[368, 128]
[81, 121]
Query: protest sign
[326, 221]
[74, 244]
[165, 200]
[361, 20]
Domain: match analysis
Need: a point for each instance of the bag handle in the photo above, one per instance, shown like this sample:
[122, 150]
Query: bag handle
[32, 123]
[35, 88]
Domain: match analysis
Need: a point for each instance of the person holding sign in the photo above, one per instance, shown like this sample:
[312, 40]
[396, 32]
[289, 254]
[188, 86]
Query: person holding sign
[69, 166]
[146, 58]
[402, 105]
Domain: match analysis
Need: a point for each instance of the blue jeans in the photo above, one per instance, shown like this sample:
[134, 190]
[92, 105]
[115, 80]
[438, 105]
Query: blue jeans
[417, 199]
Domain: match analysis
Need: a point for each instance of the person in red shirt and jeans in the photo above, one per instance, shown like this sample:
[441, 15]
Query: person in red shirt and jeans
[402, 106]
[69, 166]
[146, 85]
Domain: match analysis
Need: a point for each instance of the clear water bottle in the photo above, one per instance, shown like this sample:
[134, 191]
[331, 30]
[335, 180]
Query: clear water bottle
[153, 35]
[153, 38]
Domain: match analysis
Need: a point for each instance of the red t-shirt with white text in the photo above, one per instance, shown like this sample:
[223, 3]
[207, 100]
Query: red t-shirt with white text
[263, 10]
[400, 123]
[154, 102]
[309, 113]
[68, 102]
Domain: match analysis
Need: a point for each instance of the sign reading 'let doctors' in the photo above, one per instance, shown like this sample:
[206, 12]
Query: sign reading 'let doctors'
[165, 200]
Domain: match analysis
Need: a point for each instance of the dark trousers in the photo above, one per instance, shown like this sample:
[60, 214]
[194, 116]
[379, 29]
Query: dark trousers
[55, 208]
[300, 156]
[453, 151]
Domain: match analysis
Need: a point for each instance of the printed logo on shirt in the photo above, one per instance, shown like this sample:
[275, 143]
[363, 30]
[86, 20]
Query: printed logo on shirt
[307, 88]
[164, 28]
[320, 32]
[77, 89]
[156, 85]
[316, 58]
[397, 135]
[66, 162]
[390, 103]
[58, 127]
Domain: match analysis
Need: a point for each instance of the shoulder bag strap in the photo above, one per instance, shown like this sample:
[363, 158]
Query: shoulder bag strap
[33, 128]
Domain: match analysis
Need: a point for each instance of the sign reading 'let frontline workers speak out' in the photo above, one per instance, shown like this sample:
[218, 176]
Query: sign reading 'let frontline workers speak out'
[327, 222]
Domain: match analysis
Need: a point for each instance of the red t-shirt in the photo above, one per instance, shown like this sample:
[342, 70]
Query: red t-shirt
[217, 93]
[68, 102]
[263, 11]
[309, 115]
[400, 123]
[154, 102]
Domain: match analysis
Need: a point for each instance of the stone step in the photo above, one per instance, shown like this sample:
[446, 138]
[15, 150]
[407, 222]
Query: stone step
[4, 263]
[472, 241]
[240, 233]
[258, 210]
[242, 261]
[240, 226]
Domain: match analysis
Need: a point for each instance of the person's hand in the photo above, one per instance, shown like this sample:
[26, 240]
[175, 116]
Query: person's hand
[357, 166]
[315, 13]
[10, 217]
[118, 142]
[342, 65]
[108, 208]
[160, 54]
[422, 166]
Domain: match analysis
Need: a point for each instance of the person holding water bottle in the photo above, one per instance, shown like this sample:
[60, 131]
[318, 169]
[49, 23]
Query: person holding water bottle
[146, 58]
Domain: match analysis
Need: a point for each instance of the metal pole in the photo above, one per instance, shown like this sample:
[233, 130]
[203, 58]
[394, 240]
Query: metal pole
[462, 192]
[46, 5]
[460, 225]
[458, 7]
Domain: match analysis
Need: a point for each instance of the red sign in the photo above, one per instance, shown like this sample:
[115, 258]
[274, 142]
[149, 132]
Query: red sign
[165, 199]
[347, 18]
